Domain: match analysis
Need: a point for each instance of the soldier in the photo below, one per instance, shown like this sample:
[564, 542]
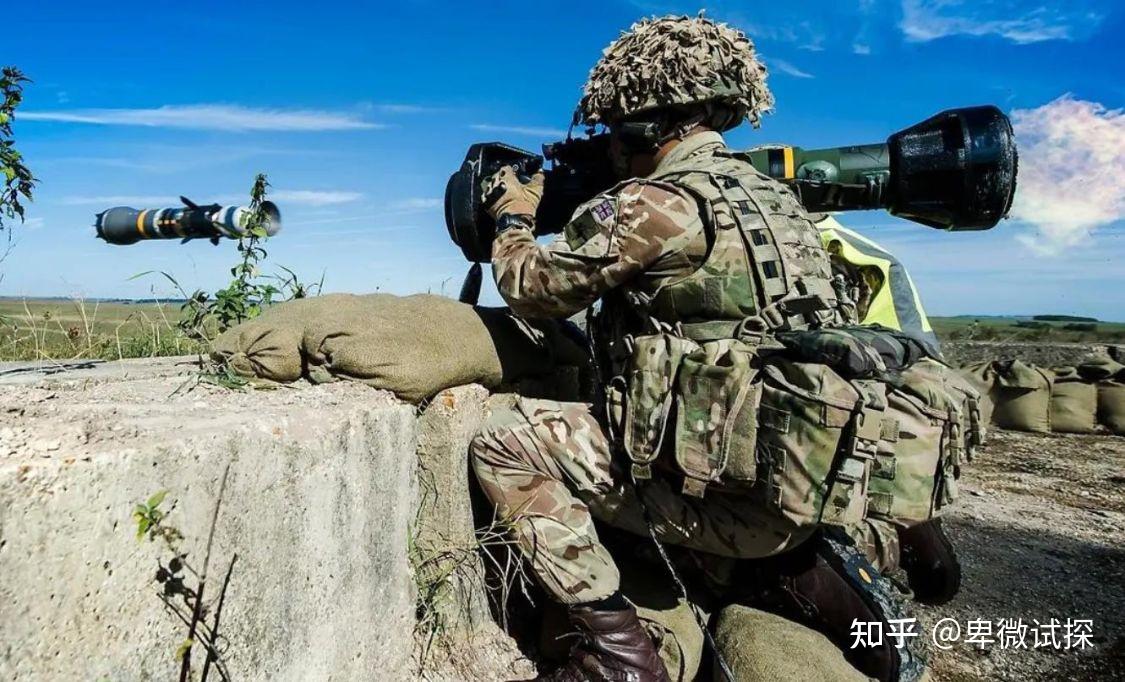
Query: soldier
[696, 246]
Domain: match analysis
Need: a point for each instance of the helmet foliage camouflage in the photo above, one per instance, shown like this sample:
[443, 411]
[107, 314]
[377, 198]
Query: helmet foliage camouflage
[676, 61]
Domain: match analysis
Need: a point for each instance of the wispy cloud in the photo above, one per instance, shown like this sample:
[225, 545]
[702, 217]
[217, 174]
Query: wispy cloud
[300, 197]
[137, 200]
[805, 35]
[1019, 21]
[400, 108]
[308, 197]
[788, 68]
[415, 204]
[532, 131]
[168, 158]
[867, 11]
[210, 117]
[1063, 198]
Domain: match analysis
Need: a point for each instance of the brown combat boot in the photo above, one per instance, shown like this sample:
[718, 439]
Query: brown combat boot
[828, 585]
[614, 648]
[930, 562]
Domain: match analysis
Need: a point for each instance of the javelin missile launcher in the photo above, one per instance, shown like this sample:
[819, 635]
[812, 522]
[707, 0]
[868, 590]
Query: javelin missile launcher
[953, 171]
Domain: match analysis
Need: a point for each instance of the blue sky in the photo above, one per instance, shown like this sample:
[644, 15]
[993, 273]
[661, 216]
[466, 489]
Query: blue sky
[359, 112]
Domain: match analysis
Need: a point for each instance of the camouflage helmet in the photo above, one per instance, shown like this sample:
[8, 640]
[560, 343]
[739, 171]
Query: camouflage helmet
[673, 62]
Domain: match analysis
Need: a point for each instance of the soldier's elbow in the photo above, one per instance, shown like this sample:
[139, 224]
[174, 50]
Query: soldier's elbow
[535, 307]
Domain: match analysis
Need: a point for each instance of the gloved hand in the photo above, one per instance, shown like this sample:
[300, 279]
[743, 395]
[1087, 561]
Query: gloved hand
[505, 194]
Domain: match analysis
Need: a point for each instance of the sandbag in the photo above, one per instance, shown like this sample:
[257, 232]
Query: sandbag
[982, 377]
[1100, 369]
[414, 346]
[762, 646]
[669, 621]
[1023, 397]
[1116, 352]
[1111, 406]
[1074, 403]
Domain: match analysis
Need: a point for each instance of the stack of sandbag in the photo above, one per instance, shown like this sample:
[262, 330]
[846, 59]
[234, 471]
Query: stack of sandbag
[1022, 397]
[1109, 377]
[1061, 400]
[414, 346]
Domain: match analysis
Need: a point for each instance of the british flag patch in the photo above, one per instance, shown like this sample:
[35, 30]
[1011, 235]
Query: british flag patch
[603, 210]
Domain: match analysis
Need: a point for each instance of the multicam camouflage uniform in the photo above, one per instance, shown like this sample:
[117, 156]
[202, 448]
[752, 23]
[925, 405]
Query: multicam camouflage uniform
[643, 248]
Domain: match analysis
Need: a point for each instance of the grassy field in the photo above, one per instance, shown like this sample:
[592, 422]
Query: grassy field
[1013, 329]
[62, 329]
[67, 330]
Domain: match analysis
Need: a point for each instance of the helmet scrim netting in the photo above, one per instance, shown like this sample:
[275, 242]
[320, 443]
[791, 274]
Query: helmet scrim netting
[677, 61]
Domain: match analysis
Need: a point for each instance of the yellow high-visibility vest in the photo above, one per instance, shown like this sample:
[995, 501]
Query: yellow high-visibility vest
[895, 304]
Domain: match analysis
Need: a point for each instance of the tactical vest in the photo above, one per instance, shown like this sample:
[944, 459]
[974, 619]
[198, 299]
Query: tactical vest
[765, 267]
[692, 384]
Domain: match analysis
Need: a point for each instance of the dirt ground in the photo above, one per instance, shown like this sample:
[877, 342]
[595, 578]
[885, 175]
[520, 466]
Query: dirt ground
[1041, 534]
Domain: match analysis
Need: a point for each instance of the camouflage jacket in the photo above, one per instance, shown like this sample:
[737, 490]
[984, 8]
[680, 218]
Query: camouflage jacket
[643, 233]
[704, 239]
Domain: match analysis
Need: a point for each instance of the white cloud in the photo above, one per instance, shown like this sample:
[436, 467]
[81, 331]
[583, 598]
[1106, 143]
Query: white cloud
[392, 108]
[860, 48]
[302, 197]
[1071, 170]
[210, 117]
[803, 33]
[519, 130]
[788, 68]
[308, 197]
[415, 204]
[135, 200]
[1019, 21]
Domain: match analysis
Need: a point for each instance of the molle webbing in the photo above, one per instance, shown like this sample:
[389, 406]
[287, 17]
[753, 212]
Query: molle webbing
[761, 263]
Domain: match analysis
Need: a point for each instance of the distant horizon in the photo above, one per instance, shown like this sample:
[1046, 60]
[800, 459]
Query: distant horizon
[157, 299]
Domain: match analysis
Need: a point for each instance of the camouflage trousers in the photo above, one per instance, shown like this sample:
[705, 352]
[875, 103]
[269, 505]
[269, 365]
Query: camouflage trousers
[549, 469]
[879, 541]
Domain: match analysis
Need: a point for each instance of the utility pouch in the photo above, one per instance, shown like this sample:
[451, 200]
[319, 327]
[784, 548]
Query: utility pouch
[974, 427]
[716, 423]
[813, 444]
[643, 396]
[929, 447]
[859, 450]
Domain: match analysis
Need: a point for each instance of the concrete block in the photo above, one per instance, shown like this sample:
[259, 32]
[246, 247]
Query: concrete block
[318, 508]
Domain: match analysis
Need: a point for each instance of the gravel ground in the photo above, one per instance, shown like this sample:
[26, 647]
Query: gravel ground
[960, 353]
[1041, 534]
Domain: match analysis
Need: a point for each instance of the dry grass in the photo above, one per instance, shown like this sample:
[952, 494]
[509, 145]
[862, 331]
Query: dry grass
[78, 329]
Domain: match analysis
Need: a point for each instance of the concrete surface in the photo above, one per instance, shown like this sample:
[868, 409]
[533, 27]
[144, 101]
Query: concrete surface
[458, 637]
[318, 508]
